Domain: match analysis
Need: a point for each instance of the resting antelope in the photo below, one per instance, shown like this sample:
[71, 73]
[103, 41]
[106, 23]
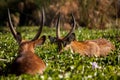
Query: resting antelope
[98, 47]
[27, 62]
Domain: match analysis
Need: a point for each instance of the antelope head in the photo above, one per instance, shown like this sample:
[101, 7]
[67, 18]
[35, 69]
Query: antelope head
[27, 44]
[63, 42]
[27, 61]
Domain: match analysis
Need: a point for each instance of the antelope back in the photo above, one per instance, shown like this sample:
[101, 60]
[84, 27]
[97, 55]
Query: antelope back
[105, 46]
[27, 61]
[97, 48]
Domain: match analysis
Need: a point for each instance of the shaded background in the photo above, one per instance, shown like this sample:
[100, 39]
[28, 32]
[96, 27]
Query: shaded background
[88, 13]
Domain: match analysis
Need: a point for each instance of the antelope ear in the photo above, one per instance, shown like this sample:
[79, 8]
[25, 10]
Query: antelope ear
[40, 41]
[71, 37]
[52, 39]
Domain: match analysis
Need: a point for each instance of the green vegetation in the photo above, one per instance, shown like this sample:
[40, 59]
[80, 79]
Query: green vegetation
[65, 65]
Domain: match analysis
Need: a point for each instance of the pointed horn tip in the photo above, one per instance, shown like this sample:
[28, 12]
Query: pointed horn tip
[73, 19]
[8, 9]
[58, 26]
[43, 14]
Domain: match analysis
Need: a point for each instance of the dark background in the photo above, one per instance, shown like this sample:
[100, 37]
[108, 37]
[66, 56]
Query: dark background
[88, 13]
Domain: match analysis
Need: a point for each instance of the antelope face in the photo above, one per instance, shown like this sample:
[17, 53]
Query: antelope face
[62, 43]
[65, 41]
[26, 45]
[27, 62]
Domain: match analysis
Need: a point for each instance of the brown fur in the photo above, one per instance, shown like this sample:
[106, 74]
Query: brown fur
[27, 62]
[98, 47]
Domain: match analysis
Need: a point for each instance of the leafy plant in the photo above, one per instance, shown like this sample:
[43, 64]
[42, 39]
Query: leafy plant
[65, 65]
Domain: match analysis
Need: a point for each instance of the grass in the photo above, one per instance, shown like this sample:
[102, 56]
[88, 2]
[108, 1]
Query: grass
[65, 65]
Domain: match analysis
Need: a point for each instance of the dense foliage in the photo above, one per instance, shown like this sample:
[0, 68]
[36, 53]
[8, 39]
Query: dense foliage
[90, 13]
[65, 65]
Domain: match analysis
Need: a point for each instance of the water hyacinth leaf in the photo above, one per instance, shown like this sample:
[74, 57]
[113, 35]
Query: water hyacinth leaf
[65, 65]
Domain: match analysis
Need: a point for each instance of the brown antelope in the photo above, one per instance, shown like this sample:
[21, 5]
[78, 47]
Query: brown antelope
[27, 62]
[98, 47]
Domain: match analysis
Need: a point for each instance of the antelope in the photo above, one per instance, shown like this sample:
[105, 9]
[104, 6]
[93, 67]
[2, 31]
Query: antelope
[97, 47]
[27, 62]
